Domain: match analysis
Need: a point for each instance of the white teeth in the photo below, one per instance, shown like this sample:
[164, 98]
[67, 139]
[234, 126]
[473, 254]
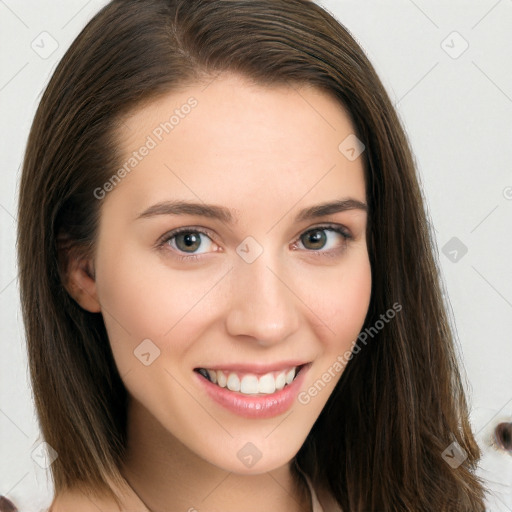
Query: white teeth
[280, 381]
[290, 376]
[250, 384]
[233, 382]
[213, 376]
[267, 384]
[221, 379]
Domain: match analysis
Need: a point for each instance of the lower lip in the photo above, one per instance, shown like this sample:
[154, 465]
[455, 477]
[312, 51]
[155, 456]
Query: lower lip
[250, 406]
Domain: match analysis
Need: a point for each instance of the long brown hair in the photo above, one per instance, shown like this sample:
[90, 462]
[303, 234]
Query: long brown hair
[400, 402]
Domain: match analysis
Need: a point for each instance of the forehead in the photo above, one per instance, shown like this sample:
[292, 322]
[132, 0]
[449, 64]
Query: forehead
[236, 143]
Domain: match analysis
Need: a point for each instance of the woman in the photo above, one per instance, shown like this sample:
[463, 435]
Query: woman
[228, 283]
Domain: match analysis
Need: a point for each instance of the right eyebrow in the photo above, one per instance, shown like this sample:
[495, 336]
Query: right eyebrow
[187, 208]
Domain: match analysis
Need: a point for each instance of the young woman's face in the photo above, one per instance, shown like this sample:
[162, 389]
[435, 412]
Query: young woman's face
[254, 287]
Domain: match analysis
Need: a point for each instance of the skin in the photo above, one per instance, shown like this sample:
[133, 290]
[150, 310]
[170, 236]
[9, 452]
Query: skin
[265, 153]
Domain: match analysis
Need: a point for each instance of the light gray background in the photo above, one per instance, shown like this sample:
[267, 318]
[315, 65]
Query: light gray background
[457, 110]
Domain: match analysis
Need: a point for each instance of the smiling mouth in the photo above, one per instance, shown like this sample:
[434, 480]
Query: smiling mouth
[250, 383]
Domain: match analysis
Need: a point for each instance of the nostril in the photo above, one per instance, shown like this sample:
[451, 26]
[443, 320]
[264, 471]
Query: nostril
[6, 505]
[503, 434]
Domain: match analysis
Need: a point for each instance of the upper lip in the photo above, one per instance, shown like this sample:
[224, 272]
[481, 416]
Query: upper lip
[254, 367]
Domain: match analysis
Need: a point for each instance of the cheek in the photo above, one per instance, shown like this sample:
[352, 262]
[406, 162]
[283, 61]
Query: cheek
[342, 307]
[142, 298]
[340, 301]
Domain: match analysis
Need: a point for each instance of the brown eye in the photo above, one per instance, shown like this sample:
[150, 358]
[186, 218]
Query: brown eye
[324, 238]
[188, 241]
[315, 239]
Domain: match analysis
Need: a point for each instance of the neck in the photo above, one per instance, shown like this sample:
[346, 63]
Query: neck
[166, 475]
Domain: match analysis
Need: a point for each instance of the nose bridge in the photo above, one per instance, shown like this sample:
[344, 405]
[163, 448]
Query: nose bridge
[262, 305]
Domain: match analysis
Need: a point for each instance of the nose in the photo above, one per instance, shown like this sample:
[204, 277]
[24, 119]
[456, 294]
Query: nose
[263, 305]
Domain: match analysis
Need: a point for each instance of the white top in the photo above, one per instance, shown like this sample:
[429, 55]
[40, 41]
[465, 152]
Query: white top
[314, 499]
[328, 503]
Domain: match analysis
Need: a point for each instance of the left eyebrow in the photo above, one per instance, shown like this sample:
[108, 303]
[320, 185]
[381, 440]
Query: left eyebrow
[329, 208]
[226, 215]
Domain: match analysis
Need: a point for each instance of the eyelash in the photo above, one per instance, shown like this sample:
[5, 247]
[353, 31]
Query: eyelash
[194, 257]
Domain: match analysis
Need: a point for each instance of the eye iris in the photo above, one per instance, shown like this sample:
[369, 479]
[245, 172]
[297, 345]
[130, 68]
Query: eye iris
[316, 237]
[188, 241]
